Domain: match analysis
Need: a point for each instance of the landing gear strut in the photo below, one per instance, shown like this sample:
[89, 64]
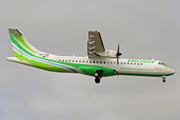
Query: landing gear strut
[98, 76]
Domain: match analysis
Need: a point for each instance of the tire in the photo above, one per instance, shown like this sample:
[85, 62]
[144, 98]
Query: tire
[164, 80]
[97, 80]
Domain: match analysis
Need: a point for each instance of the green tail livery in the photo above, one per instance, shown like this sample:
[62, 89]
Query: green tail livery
[98, 63]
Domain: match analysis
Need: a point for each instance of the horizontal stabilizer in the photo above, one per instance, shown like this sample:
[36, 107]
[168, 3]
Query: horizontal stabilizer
[14, 59]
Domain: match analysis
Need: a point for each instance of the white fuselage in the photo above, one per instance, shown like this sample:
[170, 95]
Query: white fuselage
[125, 66]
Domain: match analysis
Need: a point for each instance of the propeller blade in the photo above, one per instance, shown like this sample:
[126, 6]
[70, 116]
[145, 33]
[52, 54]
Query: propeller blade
[118, 48]
[118, 54]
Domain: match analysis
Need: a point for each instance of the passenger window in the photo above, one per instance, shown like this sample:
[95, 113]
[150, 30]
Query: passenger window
[131, 63]
[59, 60]
[90, 61]
[107, 62]
[83, 61]
[63, 60]
[124, 62]
[86, 61]
[141, 63]
[69, 60]
[76, 61]
[121, 62]
[134, 63]
[114, 62]
[97, 62]
[137, 63]
[72, 60]
[127, 63]
[79, 61]
[93, 61]
[66, 60]
[104, 62]
[111, 62]
[100, 62]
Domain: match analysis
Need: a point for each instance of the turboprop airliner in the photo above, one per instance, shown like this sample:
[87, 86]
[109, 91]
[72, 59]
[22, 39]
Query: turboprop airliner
[99, 62]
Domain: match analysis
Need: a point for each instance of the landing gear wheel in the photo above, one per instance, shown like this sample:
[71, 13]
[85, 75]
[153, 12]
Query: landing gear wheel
[164, 79]
[97, 80]
[98, 76]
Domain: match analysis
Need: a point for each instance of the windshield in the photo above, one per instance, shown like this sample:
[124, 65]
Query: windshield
[161, 63]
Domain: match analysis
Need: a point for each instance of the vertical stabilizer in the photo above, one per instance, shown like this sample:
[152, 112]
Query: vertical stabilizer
[20, 45]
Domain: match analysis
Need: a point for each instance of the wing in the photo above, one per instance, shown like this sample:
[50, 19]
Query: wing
[94, 44]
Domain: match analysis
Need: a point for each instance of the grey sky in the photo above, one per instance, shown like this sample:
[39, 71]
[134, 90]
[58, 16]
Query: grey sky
[144, 28]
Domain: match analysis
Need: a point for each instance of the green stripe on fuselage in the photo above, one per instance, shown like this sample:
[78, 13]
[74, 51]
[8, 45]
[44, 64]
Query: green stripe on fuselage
[41, 65]
[91, 69]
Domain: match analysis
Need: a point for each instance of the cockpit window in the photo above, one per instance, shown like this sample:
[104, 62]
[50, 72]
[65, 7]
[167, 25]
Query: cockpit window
[161, 63]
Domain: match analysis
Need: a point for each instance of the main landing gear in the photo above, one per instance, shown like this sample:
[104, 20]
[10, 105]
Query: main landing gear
[164, 79]
[98, 76]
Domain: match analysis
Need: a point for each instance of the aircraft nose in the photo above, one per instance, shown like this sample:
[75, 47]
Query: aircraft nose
[172, 71]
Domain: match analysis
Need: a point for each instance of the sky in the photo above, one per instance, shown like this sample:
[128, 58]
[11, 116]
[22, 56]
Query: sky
[145, 29]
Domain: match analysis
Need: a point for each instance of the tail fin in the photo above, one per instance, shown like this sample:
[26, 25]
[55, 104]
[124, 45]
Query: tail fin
[20, 45]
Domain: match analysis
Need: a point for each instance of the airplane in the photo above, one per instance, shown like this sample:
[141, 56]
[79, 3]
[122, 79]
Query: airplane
[98, 63]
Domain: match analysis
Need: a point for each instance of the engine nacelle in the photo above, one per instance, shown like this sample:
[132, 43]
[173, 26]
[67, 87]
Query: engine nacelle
[108, 53]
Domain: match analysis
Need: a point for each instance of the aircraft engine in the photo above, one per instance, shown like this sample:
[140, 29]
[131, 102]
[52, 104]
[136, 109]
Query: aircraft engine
[108, 53]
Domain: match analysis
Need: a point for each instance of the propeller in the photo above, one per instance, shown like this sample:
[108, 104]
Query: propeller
[118, 54]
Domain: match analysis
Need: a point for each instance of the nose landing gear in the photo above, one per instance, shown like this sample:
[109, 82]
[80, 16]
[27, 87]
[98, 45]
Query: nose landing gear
[98, 76]
[164, 79]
